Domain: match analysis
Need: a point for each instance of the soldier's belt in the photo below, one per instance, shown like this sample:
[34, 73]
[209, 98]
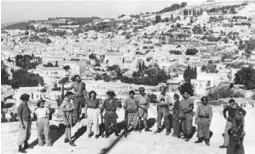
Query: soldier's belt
[109, 111]
[131, 111]
[200, 116]
[163, 106]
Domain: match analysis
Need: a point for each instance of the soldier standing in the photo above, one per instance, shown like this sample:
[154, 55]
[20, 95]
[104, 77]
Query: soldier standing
[203, 118]
[67, 108]
[143, 106]
[131, 107]
[80, 94]
[92, 113]
[176, 117]
[236, 132]
[24, 114]
[229, 119]
[164, 102]
[187, 106]
[43, 127]
[110, 117]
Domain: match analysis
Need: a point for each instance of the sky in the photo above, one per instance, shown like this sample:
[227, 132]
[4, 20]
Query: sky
[12, 11]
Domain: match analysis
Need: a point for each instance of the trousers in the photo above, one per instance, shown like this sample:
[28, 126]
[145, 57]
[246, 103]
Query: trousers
[163, 112]
[132, 118]
[187, 124]
[226, 136]
[43, 128]
[203, 128]
[110, 118]
[24, 134]
[77, 103]
[93, 120]
[234, 148]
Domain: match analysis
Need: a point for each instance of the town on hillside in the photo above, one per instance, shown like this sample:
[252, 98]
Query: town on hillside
[206, 51]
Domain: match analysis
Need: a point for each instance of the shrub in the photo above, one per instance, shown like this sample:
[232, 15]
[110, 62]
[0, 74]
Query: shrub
[238, 94]
[191, 51]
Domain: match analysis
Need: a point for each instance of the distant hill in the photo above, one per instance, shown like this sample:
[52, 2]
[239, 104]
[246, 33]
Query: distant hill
[18, 25]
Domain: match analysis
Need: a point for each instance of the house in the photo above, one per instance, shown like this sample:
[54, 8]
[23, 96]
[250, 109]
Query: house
[51, 71]
[35, 93]
[112, 58]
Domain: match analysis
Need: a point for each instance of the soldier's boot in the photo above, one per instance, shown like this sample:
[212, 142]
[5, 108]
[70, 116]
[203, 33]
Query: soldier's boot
[66, 140]
[158, 130]
[21, 150]
[168, 131]
[72, 144]
[207, 142]
[199, 140]
[188, 137]
[90, 134]
[26, 145]
[147, 130]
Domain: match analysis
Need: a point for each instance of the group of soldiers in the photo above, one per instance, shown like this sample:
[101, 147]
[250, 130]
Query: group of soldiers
[178, 116]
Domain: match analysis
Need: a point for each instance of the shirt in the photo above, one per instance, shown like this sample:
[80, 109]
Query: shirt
[164, 99]
[24, 112]
[67, 106]
[187, 105]
[92, 103]
[79, 89]
[231, 112]
[131, 104]
[110, 105]
[42, 112]
[204, 111]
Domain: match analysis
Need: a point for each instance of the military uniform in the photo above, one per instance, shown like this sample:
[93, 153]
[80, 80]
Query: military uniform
[131, 107]
[25, 133]
[143, 105]
[203, 118]
[163, 110]
[110, 116]
[79, 100]
[235, 145]
[231, 113]
[176, 119]
[187, 109]
[43, 126]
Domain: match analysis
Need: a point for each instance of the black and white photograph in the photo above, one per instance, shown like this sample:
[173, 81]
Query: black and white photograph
[128, 77]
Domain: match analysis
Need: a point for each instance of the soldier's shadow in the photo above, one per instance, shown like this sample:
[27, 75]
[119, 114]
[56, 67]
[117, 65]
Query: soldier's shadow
[150, 122]
[55, 133]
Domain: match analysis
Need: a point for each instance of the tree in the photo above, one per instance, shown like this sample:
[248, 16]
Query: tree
[190, 73]
[246, 77]
[67, 67]
[183, 4]
[22, 78]
[191, 51]
[4, 76]
[48, 41]
[49, 64]
[56, 64]
[187, 87]
[158, 18]
[166, 20]
[172, 17]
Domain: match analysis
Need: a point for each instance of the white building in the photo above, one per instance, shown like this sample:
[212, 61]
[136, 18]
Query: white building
[35, 93]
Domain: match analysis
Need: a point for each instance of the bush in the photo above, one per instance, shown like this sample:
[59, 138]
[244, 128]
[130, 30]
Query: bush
[238, 95]
[22, 78]
[173, 7]
[175, 52]
[246, 77]
[253, 96]
[192, 51]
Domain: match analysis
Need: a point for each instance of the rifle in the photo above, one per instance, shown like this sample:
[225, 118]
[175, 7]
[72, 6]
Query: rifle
[126, 122]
